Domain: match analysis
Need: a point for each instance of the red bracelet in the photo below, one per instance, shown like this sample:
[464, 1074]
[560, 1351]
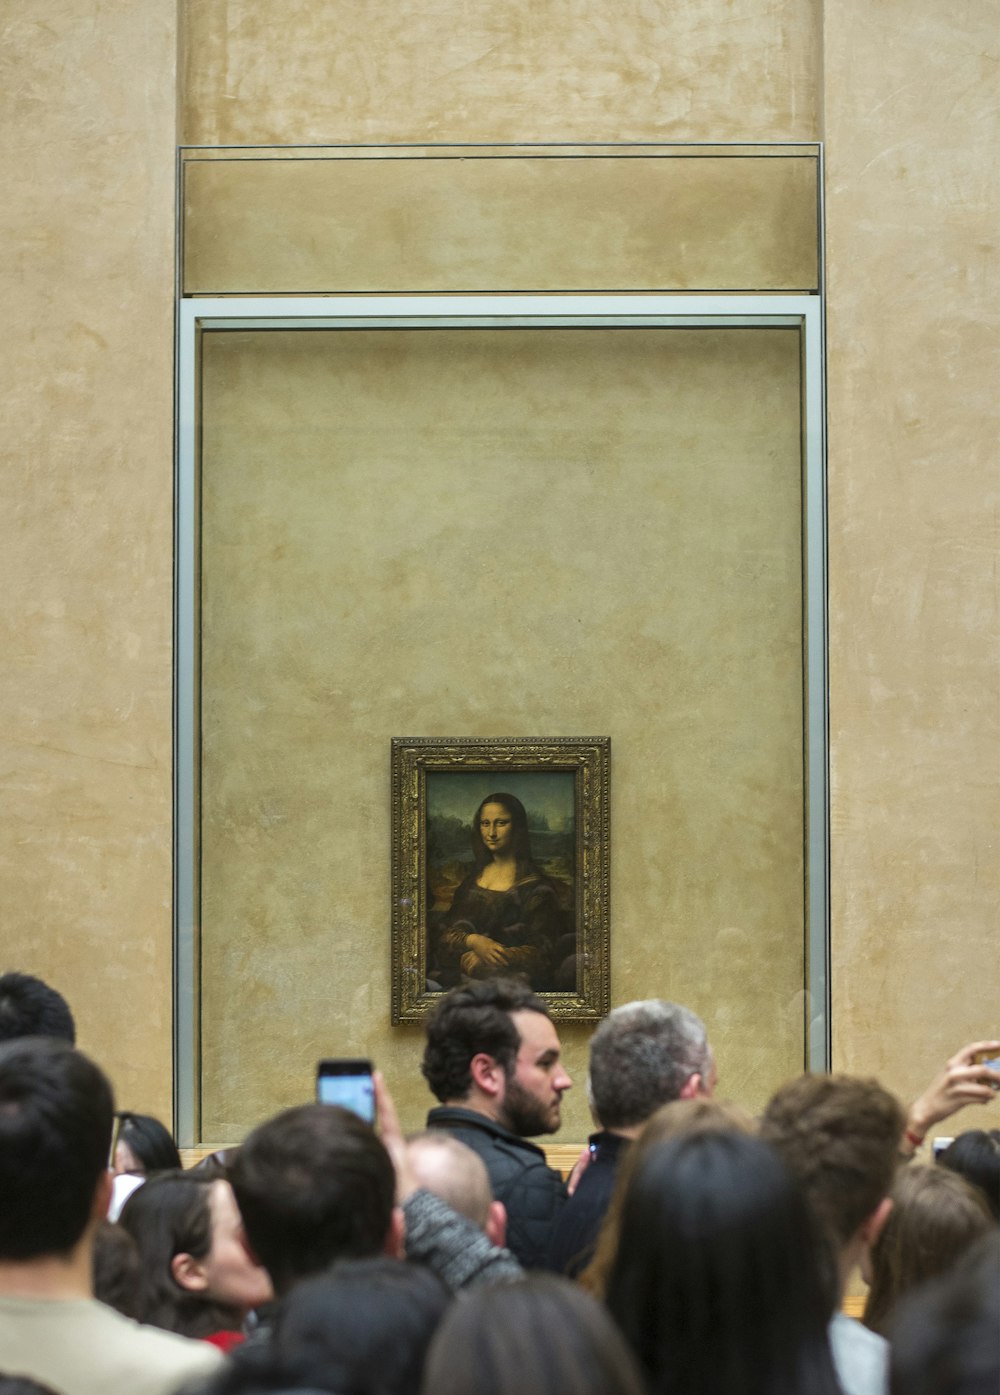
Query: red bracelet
[913, 1138]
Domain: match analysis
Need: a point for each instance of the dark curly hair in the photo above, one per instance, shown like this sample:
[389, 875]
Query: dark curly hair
[474, 1018]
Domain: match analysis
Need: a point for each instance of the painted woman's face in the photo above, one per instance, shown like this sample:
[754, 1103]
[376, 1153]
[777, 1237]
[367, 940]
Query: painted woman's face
[496, 826]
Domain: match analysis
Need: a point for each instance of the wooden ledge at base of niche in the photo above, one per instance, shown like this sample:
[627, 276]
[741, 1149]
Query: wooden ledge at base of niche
[190, 1156]
[562, 1156]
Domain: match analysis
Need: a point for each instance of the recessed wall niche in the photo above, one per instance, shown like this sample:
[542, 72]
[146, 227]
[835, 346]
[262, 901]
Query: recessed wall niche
[504, 480]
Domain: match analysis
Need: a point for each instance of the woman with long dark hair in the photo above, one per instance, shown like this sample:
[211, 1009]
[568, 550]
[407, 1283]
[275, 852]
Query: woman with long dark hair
[717, 1282]
[144, 1145]
[678, 1119]
[196, 1277]
[543, 1336]
[508, 916]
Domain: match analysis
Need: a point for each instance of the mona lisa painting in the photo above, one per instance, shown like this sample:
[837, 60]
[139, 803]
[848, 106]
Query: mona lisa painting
[500, 867]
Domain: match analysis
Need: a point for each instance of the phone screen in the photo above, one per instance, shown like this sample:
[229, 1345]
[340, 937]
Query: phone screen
[349, 1084]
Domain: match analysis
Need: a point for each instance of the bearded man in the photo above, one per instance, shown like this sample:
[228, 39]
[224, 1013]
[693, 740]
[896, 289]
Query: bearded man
[493, 1059]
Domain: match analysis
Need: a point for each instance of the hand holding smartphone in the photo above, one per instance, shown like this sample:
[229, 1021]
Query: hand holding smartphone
[991, 1061]
[347, 1081]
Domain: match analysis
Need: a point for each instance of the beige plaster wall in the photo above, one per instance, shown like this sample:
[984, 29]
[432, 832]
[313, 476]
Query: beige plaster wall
[87, 107]
[87, 104]
[500, 70]
[913, 176]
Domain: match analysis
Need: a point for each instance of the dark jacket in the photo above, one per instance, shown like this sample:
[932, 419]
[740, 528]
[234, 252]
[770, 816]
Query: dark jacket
[575, 1235]
[520, 1177]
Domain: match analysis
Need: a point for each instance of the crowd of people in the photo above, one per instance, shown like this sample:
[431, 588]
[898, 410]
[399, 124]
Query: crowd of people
[694, 1250]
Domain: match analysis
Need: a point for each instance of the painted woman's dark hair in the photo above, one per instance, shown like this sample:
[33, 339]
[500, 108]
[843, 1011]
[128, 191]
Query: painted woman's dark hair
[522, 839]
[718, 1281]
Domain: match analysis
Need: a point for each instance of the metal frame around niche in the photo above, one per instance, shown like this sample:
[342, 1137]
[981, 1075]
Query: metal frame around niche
[496, 311]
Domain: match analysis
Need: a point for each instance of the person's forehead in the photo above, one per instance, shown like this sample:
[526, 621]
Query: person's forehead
[221, 1200]
[537, 1032]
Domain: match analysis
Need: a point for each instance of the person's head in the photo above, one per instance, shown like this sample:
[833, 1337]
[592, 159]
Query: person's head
[492, 1046]
[840, 1137]
[363, 1328]
[30, 1008]
[452, 1171]
[936, 1217]
[313, 1185]
[500, 829]
[197, 1277]
[678, 1119]
[975, 1155]
[116, 1270]
[56, 1111]
[542, 1336]
[144, 1145]
[643, 1055]
[717, 1282]
[946, 1337]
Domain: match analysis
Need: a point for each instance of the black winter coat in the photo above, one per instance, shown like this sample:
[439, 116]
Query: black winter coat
[532, 1192]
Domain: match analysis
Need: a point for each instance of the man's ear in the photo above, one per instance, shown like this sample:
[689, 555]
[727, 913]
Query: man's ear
[692, 1088]
[496, 1224]
[872, 1228]
[395, 1236]
[488, 1075]
[189, 1273]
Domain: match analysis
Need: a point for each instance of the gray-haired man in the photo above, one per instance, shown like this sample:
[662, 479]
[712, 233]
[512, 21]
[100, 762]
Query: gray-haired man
[643, 1055]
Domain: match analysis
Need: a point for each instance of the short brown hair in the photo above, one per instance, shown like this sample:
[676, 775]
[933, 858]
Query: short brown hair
[840, 1137]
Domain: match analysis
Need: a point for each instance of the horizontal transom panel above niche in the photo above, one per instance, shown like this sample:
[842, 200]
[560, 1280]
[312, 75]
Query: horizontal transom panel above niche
[500, 218]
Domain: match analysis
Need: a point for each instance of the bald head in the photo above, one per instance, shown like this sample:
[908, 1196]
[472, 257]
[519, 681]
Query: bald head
[453, 1172]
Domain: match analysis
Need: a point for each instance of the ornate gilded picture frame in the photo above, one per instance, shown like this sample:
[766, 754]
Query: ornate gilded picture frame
[500, 865]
